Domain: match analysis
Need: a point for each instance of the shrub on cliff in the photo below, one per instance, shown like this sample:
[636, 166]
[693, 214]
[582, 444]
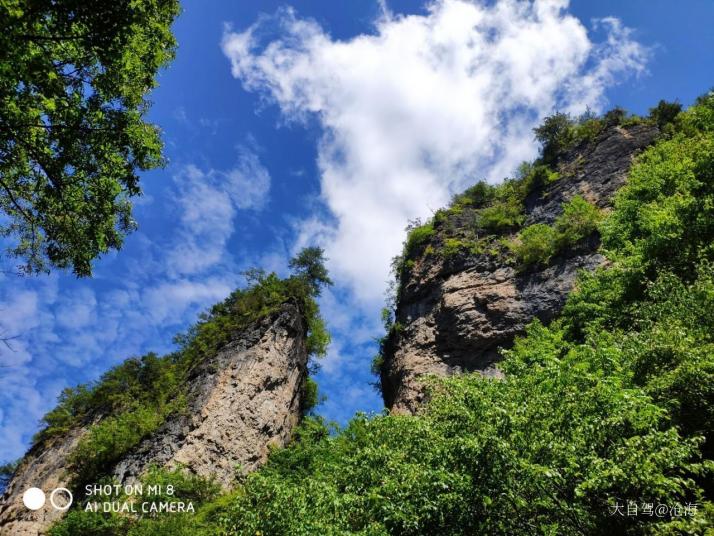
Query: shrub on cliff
[578, 220]
[538, 243]
[555, 136]
[535, 244]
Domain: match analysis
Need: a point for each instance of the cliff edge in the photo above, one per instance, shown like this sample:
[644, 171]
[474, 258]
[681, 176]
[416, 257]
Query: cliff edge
[461, 296]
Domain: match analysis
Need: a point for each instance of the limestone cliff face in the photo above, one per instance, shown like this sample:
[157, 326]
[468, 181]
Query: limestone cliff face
[244, 399]
[456, 313]
[44, 467]
[247, 398]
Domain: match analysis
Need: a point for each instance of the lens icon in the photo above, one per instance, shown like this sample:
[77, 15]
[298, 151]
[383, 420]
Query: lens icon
[64, 503]
[34, 498]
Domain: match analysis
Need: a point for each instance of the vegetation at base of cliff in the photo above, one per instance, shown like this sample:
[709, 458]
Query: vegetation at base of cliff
[135, 398]
[609, 408]
[185, 488]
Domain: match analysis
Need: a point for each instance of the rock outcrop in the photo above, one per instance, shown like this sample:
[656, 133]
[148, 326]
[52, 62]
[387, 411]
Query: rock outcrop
[44, 466]
[456, 313]
[244, 399]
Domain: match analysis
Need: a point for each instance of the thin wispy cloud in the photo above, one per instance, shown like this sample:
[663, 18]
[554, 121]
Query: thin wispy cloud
[208, 202]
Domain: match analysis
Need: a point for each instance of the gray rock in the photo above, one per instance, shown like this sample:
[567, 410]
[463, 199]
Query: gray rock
[457, 314]
[44, 467]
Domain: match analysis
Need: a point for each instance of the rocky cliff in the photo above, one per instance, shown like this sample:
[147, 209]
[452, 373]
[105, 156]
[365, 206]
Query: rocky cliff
[244, 400]
[455, 311]
[246, 397]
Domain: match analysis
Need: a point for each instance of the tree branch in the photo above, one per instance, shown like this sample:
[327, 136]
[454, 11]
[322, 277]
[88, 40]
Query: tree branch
[14, 201]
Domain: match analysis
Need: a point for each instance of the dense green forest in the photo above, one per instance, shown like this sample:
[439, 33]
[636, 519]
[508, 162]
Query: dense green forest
[609, 406]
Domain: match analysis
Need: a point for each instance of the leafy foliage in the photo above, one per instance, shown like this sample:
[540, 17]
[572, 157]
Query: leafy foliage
[479, 195]
[555, 136]
[111, 438]
[91, 524]
[665, 113]
[560, 132]
[578, 220]
[309, 264]
[535, 244]
[6, 472]
[311, 398]
[73, 82]
[538, 243]
[186, 488]
[148, 381]
[417, 236]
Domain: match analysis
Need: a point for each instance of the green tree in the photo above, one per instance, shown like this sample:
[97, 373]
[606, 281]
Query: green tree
[310, 265]
[555, 135]
[6, 472]
[73, 82]
[665, 113]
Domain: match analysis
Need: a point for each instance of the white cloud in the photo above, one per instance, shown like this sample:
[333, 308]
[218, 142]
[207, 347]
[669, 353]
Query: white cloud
[78, 310]
[167, 302]
[207, 202]
[422, 107]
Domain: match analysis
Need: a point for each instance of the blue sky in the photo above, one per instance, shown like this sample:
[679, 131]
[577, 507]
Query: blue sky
[334, 123]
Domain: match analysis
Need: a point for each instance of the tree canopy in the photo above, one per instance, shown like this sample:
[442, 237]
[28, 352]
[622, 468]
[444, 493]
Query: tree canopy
[74, 76]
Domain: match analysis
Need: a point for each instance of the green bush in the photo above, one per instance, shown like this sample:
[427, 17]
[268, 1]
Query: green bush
[555, 136]
[536, 176]
[109, 440]
[455, 246]
[477, 196]
[417, 237]
[186, 488]
[538, 243]
[78, 522]
[501, 216]
[665, 113]
[311, 397]
[588, 129]
[578, 220]
[535, 244]
[145, 381]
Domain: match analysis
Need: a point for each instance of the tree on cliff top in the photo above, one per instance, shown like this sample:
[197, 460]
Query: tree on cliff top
[73, 82]
[309, 264]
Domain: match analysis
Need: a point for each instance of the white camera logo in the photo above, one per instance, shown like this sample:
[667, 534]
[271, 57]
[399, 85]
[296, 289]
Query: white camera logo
[34, 498]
